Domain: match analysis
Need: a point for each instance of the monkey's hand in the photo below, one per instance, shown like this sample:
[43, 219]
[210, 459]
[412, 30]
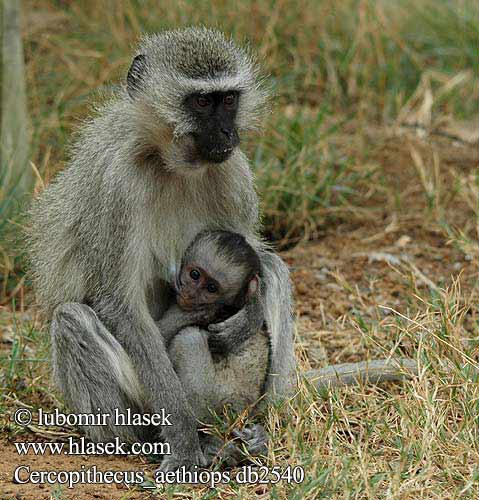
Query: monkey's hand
[227, 336]
[176, 319]
[204, 315]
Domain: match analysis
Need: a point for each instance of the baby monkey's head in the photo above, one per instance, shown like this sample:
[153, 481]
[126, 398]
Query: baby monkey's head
[219, 267]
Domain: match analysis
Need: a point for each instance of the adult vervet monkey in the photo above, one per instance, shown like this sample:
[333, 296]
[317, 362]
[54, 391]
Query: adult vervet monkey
[158, 164]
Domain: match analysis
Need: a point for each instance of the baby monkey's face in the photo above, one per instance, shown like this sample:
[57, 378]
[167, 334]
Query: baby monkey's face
[198, 286]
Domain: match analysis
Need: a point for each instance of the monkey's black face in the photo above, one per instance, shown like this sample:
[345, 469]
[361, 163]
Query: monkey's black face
[216, 134]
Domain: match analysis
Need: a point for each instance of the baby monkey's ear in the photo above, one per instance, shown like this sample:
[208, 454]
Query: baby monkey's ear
[253, 285]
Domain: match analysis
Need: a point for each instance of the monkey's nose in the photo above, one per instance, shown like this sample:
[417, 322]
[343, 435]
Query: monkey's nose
[231, 135]
[228, 133]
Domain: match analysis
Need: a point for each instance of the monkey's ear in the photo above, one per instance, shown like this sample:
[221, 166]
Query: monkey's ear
[253, 285]
[135, 75]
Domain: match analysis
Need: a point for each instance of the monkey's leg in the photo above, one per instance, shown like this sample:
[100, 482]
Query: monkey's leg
[253, 438]
[137, 332]
[194, 364]
[278, 314]
[93, 371]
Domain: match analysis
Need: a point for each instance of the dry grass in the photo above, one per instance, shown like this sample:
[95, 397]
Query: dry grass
[372, 152]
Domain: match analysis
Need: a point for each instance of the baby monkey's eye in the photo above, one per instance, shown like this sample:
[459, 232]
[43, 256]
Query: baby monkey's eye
[211, 287]
[195, 274]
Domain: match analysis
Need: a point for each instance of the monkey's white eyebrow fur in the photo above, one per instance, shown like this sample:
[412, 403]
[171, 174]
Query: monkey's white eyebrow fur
[168, 86]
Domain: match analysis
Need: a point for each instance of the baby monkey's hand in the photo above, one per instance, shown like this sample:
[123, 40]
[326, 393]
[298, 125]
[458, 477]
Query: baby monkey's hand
[204, 315]
[176, 318]
[229, 335]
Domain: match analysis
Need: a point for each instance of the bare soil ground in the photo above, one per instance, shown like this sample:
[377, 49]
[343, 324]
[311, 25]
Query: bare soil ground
[11, 460]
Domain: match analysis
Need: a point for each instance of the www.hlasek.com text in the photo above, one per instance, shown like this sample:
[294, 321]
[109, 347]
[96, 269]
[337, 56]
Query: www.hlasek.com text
[82, 446]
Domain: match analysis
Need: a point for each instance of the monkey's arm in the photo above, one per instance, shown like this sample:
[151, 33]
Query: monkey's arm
[172, 322]
[175, 319]
[227, 336]
[372, 372]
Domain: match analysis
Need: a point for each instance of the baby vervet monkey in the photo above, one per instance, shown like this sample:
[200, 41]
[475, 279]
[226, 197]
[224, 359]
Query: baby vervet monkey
[219, 274]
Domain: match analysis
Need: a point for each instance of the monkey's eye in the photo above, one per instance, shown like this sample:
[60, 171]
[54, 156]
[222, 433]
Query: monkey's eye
[229, 100]
[211, 287]
[195, 274]
[202, 101]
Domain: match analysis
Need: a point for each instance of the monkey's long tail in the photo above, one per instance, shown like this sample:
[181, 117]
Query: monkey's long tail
[369, 372]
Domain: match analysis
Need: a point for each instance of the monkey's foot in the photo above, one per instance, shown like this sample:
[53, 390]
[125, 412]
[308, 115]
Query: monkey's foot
[190, 462]
[216, 450]
[254, 442]
[255, 439]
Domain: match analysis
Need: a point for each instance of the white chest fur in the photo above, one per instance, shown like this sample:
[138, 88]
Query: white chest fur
[183, 207]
